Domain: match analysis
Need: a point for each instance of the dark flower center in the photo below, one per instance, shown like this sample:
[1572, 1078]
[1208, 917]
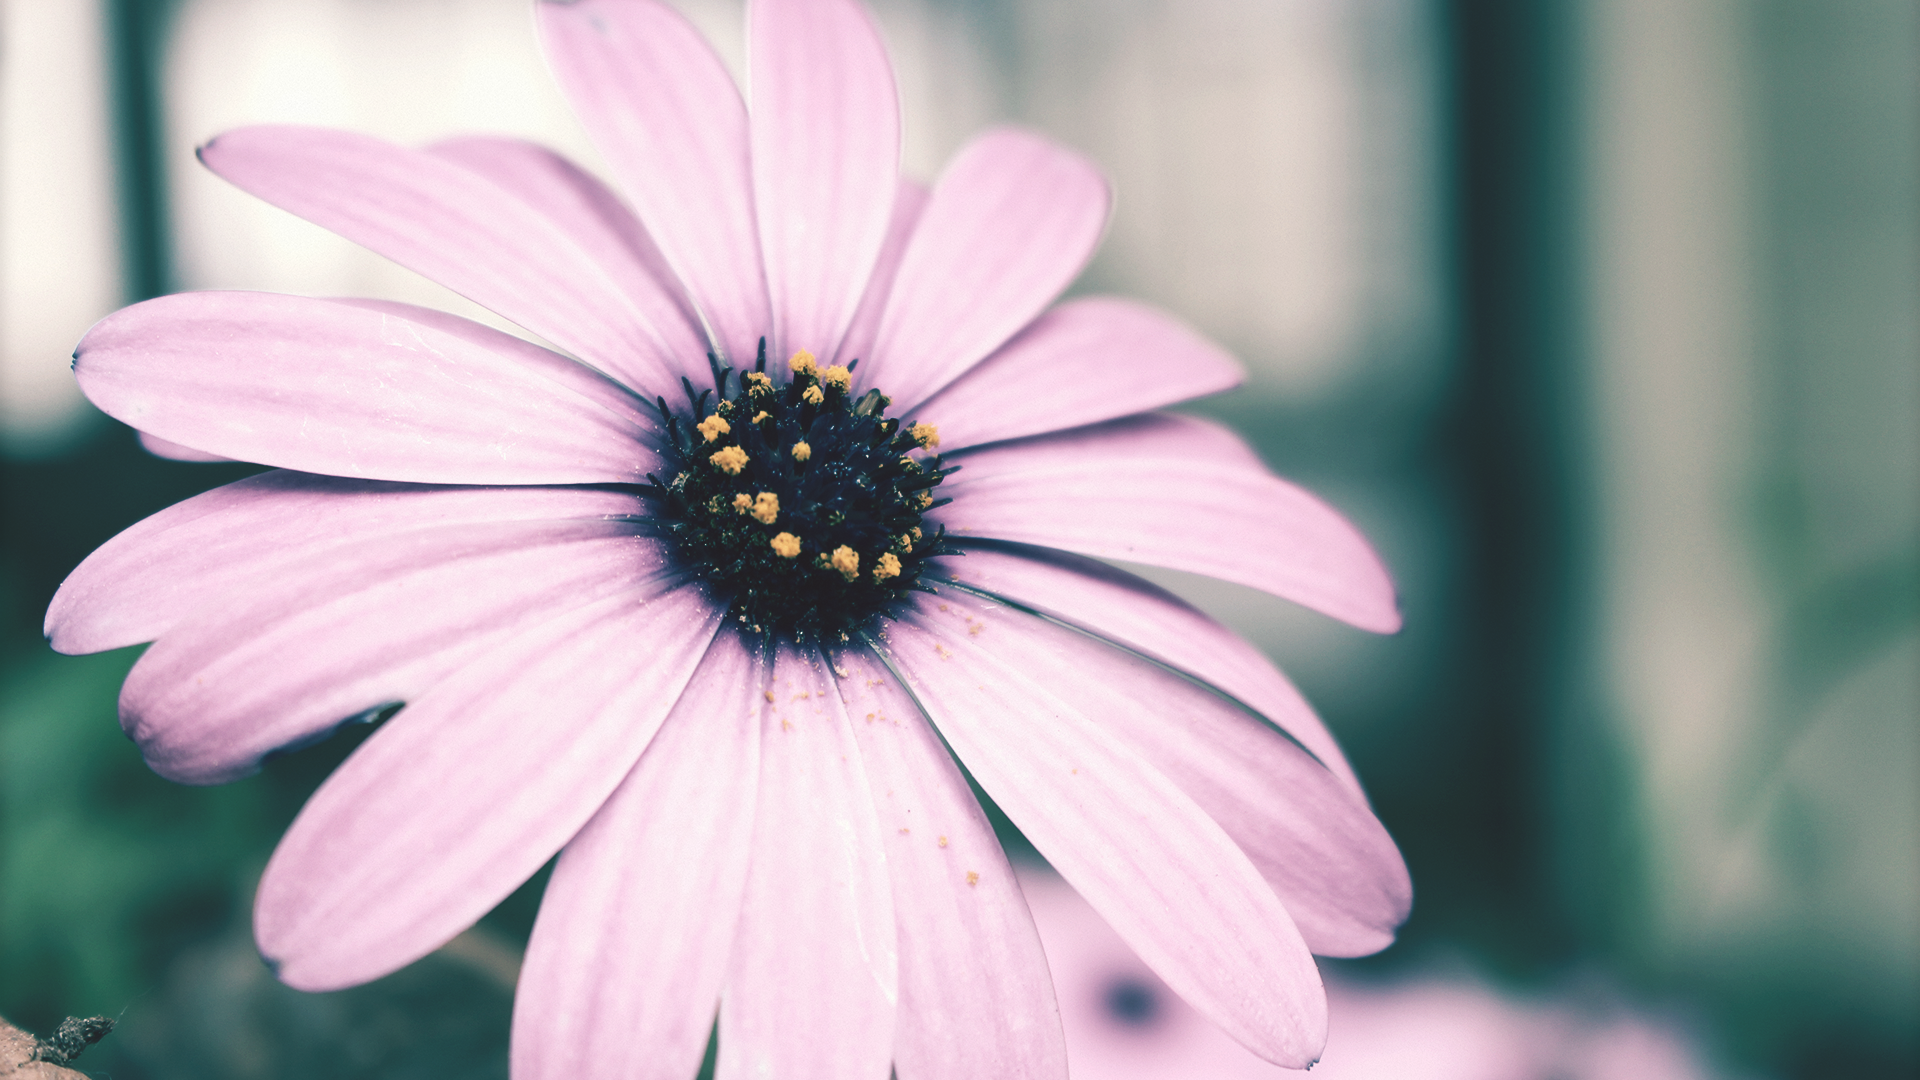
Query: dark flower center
[798, 501]
[1132, 1003]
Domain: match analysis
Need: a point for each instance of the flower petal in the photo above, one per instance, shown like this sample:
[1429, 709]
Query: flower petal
[357, 627]
[351, 390]
[524, 252]
[1168, 878]
[825, 123]
[1312, 837]
[1012, 221]
[624, 970]
[173, 451]
[588, 211]
[663, 111]
[975, 997]
[813, 986]
[1088, 360]
[1177, 492]
[462, 796]
[248, 533]
[909, 199]
[1128, 611]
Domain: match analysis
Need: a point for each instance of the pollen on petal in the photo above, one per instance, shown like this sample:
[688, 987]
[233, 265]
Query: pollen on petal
[801, 451]
[713, 427]
[837, 376]
[802, 363]
[786, 545]
[927, 435]
[729, 460]
[766, 506]
[888, 567]
[847, 561]
[742, 503]
[813, 395]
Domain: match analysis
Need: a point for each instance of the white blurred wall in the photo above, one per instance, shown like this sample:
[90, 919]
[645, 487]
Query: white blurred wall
[59, 234]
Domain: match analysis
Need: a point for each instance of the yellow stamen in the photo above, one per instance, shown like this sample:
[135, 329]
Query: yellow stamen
[813, 395]
[801, 451]
[758, 383]
[889, 567]
[766, 507]
[760, 416]
[786, 545]
[837, 376]
[924, 500]
[729, 460]
[926, 435]
[714, 505]
[802, 363]
[914, 532]
[713, 427]
[847, 561]
[903, 543]
[741, 503]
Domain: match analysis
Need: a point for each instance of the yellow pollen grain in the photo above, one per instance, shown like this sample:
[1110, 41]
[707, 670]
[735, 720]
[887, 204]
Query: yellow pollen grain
[914, 532]
[973, 878]
[847, 561]
[729, 460]
[801, 451]
[904, 543]
[766, 507]
[758, 383]
[837, 376]
[742, 503]
[926, 435]
[761, 416]
[889, 567]
[802, 363]
[924, 500]
[713, 427]
[943, 841]
[715, 505]
[786, 545]
[813, 395]
[769, 694]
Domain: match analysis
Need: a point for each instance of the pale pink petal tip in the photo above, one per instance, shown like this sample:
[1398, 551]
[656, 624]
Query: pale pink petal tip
[173, 451]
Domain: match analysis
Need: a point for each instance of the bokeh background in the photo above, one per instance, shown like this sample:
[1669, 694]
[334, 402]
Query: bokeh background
[1602, 317]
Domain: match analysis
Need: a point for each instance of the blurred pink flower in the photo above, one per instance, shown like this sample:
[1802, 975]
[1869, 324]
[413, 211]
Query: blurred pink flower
[1122, 1022]
[719, 651]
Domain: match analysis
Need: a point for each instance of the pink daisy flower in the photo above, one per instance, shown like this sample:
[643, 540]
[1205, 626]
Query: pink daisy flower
[710, 601]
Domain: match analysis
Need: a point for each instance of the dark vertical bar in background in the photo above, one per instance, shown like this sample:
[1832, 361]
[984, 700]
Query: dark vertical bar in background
[135, 37]
[1513, 439]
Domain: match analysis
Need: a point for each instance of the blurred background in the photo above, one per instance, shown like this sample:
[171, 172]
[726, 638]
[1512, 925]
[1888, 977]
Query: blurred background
[1601, 317]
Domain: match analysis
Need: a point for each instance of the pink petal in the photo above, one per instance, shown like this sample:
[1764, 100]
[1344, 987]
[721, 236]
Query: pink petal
[1011, 222]
[1312, 837]
[1098, 358]
[462, 796]
[975, 997]
[1168, 878]
[813, 984]
[909, 199]
[356, 627]
[1121, 608]
[589, 212]
[527, 260]
[247, 534]
[665, 114]
[1177, 492]
[159, 447]
[623, 974]
[347, 389]
[826, 158]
